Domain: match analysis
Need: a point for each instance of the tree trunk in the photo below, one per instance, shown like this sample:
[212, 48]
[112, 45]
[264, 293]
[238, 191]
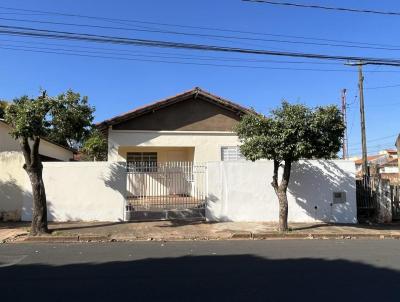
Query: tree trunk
[281, 192]
[33, 166]
[39, 215]
[283, 211]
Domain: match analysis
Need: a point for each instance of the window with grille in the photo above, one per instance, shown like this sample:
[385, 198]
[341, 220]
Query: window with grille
[230, 153]
[142, 161]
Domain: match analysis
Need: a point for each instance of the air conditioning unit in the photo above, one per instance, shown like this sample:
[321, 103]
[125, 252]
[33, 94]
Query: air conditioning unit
[339, 197]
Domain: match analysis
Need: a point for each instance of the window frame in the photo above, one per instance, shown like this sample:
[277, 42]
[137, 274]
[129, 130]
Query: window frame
[237, 156]
[147, 163]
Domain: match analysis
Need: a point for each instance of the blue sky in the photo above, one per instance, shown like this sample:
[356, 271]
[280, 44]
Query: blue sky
[117, 85]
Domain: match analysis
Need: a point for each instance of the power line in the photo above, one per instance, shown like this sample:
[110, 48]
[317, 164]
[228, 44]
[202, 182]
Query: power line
[169, 62]
[321, 7]
[168, 55]
[386, 105]
[130, 21]
[34, 32]
[202, 35]
[382, 87]
[379, 139]
[177, 56]
[373, 147]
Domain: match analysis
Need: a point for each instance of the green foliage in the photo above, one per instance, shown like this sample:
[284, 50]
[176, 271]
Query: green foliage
[292, 132]
[95, 147]
[28, 116]
[65, 119]
[72, 118]
[3, 106]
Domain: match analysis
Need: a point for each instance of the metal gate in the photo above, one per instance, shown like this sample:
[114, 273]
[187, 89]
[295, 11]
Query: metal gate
[169, 190]
[395, 198]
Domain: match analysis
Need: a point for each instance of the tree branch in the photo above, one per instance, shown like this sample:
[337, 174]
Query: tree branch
[35, 151]
[274, 182]
[26, 150]
[286, 175]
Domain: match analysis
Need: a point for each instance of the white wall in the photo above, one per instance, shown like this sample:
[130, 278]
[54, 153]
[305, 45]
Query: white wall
[7, 143]
[207, 144]
[242, 191]
[237, 191]
[86, 191]
[14, 185]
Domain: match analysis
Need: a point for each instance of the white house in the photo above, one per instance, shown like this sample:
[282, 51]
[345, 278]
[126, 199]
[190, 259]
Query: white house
[193, 169]
[49, 151]
[194, 126]
[175, 136]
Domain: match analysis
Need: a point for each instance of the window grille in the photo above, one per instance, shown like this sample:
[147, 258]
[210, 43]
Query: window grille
[230, 153]
[142, 161]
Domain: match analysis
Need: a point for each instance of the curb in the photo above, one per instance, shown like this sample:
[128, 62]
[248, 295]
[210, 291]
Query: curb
[261, 236]
[165, 239]
[233, 236]
[62, 239]
[242, 235]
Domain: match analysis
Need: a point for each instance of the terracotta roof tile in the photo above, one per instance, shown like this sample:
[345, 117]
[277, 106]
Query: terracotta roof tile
[369, 158]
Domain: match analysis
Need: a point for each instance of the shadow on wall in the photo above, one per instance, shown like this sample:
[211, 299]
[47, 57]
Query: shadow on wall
[115, 177]
[16, 203]
[11, 200]
[310, 182]
[211, 217]
[203, 278]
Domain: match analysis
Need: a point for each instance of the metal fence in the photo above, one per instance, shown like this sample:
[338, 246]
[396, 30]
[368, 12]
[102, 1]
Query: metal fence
[163, 190]
[395, 199]
[366, 193]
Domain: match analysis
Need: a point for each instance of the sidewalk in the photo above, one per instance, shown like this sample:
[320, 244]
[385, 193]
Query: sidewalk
[197, 230]
[13, 230]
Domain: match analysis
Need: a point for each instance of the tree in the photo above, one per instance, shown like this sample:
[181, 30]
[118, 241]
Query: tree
[95, 146]
[3, 106]
[72, 119]
[290, 133]
[33, 119]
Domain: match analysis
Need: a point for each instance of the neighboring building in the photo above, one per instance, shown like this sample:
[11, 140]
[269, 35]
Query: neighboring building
[372, 160]
[390, 153]
[194, 126]
[48, 150]
[13, 178]
[385, 163]
[390, 170]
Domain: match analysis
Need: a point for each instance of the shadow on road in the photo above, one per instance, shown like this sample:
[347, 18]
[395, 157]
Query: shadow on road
[202, 278]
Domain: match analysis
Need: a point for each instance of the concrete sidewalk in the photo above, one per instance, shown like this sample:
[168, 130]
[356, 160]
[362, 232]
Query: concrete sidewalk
[195, 230]
[13, 230]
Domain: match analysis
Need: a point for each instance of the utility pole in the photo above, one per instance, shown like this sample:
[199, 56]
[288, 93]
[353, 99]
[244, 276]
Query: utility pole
[362, 117]
[344, 113]
[365, 170]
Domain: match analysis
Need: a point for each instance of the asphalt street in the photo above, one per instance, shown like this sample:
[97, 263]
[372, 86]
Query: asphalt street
[272, 270]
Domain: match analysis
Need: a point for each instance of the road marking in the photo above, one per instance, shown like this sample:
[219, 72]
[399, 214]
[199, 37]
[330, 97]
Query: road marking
[10, 260]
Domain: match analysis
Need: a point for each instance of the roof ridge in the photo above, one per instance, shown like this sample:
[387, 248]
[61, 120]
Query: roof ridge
[166, 101]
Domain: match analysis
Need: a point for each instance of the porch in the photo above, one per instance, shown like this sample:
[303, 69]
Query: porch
[159, 154]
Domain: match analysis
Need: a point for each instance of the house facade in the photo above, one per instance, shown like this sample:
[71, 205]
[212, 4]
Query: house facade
[194, 126]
